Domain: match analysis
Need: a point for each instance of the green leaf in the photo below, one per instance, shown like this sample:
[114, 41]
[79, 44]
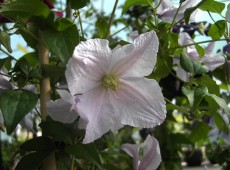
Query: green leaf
[205, 80]
[199, 132]
[62, 24]
[32, 161]
[213, 107]
[62, 43]
[217, 29]
[5, 40]
[190, 65]
[200, 50]
[189, 11]
[15, 105]
[25, 9]
[129, 3]
[57, 130]
[221, 124]
[32, 58]
[87, 152]
[3, 61]
[199, 93]
[102, 27]
[190, 95]
[41, 143]
[212, 6]
[53, 71]
[162, 68]
[77, 4]
[219, 101]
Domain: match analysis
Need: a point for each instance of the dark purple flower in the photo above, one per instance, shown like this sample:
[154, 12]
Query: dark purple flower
[49, 4]
[226, 48]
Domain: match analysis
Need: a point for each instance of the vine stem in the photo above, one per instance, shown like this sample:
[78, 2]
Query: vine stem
[179, 108]
[43, 52]
[111, 18]
[201, 42]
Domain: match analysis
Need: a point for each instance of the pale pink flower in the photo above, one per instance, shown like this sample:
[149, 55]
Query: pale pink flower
[167, 10]
[113, 87]
[145, 156]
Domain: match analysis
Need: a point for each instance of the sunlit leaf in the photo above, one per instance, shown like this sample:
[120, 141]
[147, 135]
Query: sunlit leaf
[212, 6]
[217, 30]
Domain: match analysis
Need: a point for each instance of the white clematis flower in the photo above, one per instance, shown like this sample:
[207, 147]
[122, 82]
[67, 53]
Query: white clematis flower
[145, 156]
[113, 87]
[167, 10]
[62, 110]
[210, 60]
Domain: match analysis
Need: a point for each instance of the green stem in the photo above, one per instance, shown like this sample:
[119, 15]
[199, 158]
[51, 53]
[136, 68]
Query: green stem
[179, 108]
[174, 18]
[119, 31]
[43, 53]
[80, 21]
[151, 4]
[201, 42]
[111, 19]
[158, 4]
[7, 54]
[211, 16]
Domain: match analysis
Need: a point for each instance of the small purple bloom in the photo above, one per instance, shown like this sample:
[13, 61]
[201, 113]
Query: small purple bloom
[226, 48]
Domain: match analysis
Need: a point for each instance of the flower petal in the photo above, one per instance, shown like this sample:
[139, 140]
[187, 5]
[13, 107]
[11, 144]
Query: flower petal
[5, 85]
[209, 48]
[152, 155]
[94, 107]
[213, 61]
[89, 63]
[61, 109]
[137, 59]
[182, 74]
[27, 123]
[139, 102]
[132, 150]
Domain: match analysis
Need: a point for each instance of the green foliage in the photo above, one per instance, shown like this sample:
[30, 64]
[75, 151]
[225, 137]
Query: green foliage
[217, 29]
[190, 65]
[25, 9]
[15, 104]
[87, 152]
[102, 26]
[32, 160]
[212, 6]
[57, 130]
[200, 50]
[129, 3]
[77, 4]
[199, 132]
[62, 43]
[5, 40]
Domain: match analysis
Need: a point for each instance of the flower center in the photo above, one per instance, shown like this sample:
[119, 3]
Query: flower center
[110, 82]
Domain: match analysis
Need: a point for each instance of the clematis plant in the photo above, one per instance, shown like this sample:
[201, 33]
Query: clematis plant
[146, 156]
[210, 60]
[113, 87]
